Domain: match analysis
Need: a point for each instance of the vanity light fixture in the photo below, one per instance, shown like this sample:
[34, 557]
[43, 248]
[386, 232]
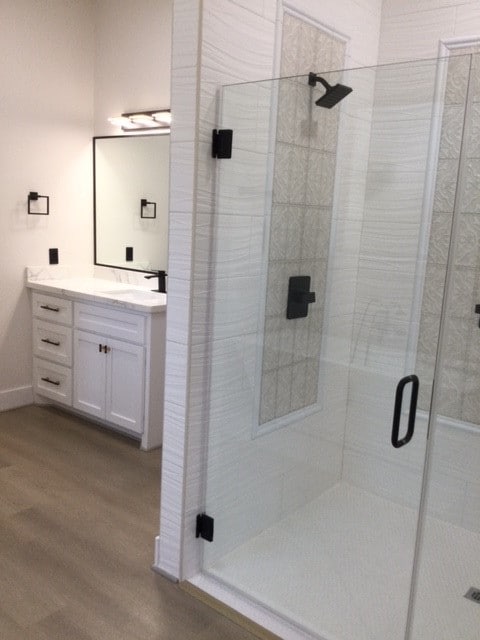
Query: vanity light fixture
[158, 120]
[33, 196]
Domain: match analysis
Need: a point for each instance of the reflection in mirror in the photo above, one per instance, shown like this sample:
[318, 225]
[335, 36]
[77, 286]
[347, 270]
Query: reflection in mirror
[131, 175]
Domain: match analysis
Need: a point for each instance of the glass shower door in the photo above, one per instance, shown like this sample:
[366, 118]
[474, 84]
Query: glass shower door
[318, 411]
[447, 580]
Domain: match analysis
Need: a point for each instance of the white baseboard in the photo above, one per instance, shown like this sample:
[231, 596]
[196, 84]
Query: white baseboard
[13, 398]
[156, 563]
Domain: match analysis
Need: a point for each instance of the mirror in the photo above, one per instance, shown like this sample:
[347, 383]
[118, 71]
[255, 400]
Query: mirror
[131, 176]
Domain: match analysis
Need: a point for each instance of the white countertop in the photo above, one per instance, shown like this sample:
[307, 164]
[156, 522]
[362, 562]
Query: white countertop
[118, 294]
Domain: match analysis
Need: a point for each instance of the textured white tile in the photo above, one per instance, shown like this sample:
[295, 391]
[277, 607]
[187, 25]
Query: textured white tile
[241, 186]
[247, 108]
[235, 306]
[226, 241]
[182, 169]
[184, 106]
[403, 144]
[414, 35]
[467, 18]
[176, 373]
[264, 8]
[172, 486]
[180, 238]
[384, 294]
[392, 195]
[341, 300]
[350, 191]
[395, 8]
[456, 452]
[397, 242]
[178, 311]
[238, 44]
[185, 34]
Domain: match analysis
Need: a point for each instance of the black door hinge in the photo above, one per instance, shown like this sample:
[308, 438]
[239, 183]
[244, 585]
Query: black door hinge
[222, 143]
[204, 527]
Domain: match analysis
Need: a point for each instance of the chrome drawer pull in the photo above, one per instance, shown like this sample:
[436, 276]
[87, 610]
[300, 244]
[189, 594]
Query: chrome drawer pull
[56, 383]
[55, 344]
[49, 308]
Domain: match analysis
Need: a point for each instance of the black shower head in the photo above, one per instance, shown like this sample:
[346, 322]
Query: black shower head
[332, 95]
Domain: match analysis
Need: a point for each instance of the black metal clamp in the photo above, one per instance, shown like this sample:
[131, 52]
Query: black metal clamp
[477, 310]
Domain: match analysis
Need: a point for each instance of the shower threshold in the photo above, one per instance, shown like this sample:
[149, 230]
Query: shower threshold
[328, 570]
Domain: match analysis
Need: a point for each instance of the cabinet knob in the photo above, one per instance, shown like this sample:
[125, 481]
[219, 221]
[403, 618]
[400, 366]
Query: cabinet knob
[106, 349]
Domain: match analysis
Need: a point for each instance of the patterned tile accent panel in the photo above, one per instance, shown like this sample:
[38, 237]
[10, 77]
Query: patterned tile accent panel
[304, 173]
[460, 378]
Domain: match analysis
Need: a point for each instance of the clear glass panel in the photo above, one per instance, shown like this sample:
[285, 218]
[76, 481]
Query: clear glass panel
[315, 511]
[449, 559]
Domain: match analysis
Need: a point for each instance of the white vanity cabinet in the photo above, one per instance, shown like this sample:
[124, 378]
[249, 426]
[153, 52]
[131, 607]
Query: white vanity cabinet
[109, 373]
[52, 348]
[97, 359]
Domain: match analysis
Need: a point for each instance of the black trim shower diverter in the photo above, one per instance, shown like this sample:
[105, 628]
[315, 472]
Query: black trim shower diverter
[299, 297]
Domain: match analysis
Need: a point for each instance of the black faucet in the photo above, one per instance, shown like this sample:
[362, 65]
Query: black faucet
[162, 288]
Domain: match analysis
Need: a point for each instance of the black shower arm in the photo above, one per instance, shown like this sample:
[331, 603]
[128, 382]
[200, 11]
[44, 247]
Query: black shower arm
[313, 79]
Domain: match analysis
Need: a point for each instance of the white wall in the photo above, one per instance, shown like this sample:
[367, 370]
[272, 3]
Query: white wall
[49, 63]
[46, 115]
[132, 58]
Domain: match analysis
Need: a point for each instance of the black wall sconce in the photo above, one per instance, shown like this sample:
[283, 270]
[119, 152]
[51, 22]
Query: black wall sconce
[34, 196]
[144, 204]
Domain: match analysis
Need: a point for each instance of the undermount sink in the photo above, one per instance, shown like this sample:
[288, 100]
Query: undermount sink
[132, 294]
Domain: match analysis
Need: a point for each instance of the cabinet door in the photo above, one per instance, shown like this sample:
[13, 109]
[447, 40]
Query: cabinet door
[125, 385]
[89, 373]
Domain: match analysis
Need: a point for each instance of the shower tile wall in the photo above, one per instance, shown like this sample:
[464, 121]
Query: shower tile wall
[460, 378]
[302, 198]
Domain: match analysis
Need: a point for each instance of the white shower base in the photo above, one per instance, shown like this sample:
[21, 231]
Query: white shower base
[341, 567]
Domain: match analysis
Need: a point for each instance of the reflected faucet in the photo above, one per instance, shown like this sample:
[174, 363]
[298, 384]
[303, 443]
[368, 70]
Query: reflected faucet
[162, 288]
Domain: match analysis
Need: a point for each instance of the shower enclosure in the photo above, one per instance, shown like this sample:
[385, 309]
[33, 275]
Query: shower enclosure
[344, 484]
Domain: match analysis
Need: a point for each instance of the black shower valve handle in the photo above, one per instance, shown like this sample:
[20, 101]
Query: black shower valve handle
[477, 310]
[305, 296]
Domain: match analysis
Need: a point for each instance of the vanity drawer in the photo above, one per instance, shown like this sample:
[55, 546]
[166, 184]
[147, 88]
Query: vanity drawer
[52, 341]
[52, 381]
[110, 322]
[52, 308]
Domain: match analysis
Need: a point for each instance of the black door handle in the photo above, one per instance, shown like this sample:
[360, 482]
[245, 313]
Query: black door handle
[398, 411]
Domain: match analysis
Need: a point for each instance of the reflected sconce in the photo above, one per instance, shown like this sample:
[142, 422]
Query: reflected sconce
[157, 120]
[34, 196]
[144, 206]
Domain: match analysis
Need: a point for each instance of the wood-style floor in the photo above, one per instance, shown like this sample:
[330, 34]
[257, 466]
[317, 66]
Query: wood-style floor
[78, 516]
